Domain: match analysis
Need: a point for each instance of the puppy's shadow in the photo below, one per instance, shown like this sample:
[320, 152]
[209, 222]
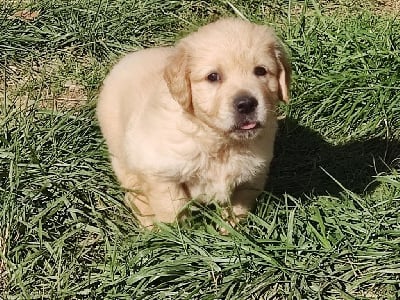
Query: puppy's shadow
[301, 156]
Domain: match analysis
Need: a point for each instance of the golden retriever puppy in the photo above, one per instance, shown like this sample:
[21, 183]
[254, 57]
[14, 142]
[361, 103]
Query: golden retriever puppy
[195, 121]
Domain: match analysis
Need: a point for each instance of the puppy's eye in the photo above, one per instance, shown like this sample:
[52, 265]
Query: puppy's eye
[213, 77]
[260, 71]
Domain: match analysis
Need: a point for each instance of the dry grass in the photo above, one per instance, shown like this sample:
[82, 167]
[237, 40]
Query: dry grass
[388, 6]
[42, 83]
[350, 7]
[3, 264]
[71, 96]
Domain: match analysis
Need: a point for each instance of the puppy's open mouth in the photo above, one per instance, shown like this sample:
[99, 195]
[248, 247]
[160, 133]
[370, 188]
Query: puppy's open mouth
[247, 126]
[245, 129]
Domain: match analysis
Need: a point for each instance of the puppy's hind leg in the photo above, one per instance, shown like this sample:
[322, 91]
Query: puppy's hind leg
[134, 197]
[167, 199]
[152, 200]
[138, 203]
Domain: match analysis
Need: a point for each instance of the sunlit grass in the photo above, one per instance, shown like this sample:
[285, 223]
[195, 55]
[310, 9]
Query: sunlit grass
[326, 228]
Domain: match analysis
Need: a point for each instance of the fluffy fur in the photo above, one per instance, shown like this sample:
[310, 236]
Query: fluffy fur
[195, 121]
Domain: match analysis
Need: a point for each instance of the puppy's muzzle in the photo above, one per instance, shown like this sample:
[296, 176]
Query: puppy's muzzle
[246, 121]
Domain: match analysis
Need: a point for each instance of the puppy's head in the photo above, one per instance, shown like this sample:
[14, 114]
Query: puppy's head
[230, 75]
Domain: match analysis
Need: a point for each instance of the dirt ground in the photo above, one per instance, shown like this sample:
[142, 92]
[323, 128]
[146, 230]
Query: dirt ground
[392, 6]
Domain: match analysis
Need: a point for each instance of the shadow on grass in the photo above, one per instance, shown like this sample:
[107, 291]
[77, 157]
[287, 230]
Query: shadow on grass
[301, 156]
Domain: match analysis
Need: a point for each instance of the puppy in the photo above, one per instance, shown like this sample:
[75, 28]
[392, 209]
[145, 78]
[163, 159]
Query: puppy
[195, 121]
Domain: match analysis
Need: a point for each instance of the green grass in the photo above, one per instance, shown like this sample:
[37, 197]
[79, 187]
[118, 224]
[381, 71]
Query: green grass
[328, 226]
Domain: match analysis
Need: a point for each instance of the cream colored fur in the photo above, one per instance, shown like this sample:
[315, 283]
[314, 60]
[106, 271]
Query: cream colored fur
[173, 135]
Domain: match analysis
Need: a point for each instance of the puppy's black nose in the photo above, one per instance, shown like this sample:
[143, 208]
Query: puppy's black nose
[245, 104]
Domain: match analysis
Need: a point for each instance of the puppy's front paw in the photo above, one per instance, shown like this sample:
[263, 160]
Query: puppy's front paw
[232, 219]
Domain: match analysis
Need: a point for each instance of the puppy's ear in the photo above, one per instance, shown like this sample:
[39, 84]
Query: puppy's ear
[176, 75]
[285, 72]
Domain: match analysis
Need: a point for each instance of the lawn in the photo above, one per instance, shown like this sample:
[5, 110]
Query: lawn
[328, 224]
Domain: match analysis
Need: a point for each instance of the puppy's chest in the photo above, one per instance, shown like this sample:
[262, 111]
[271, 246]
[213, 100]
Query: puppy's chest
[215, 177]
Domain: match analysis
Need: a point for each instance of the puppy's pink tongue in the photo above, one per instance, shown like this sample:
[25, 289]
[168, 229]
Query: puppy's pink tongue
[248, 126]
